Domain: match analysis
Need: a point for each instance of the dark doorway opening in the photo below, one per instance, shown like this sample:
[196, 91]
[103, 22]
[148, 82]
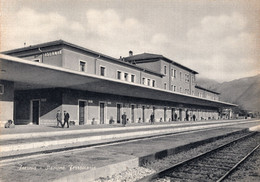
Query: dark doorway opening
[35, 111]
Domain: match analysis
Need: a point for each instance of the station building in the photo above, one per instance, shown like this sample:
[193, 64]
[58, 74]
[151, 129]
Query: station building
[94, 88]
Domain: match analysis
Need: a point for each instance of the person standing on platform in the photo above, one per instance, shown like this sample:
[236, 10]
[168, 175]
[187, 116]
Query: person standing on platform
[124, 119]
[194, 117]
[66, 119]
[175, 117]
[58, 117]
[152, 118]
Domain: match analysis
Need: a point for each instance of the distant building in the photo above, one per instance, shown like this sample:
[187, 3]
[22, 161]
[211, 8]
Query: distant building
[38, 80]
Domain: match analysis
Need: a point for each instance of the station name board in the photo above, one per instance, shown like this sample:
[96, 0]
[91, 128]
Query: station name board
[52, 53]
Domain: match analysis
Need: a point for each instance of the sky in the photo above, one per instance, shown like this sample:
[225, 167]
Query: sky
[217, 38]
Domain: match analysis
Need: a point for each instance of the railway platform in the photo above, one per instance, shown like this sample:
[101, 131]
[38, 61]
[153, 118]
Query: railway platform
[94, 160]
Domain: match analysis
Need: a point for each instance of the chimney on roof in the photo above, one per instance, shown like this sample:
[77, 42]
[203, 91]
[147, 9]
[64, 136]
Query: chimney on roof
[130, 53]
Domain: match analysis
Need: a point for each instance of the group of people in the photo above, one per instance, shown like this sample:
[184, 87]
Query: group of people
[59, 119]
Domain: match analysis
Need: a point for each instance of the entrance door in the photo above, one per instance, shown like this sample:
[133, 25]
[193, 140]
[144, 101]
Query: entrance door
[132, 113]
[35, 111]
[82, 112]
[102, 113]
[143, 108]
[118, 113]
[164, 115]
[154, 112]
[173, 113]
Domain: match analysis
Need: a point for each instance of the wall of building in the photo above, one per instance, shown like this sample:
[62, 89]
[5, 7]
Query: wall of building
[151, 65]
[180, 83]
[71, 60]
[49, 56]
[206, 94]
[6, 101]
[50, 102]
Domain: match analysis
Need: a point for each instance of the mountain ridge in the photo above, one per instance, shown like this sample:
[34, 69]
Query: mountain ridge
[244, 92]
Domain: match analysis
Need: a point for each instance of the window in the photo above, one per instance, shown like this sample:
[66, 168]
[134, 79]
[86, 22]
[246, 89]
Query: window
[143, 81]
[187, 91]
[180, 90]
[1, 89]
[175, 73]
[174, 88]
[153, 83]
[148, 82]
[165, 86]
[180, 76]
[82, 66]
[187, 78]
[119, 75]
[132, 78]
[126, 76]
[172, 72]
[102, 71]
[165, 70]
[193, 79]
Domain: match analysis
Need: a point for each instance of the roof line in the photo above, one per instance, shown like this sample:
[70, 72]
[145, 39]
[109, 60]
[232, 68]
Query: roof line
[62, 42]
[165, 58]
[197, 86]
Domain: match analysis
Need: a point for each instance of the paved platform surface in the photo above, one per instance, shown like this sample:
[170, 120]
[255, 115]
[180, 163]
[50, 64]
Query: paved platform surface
[19, 143]
[91, 163]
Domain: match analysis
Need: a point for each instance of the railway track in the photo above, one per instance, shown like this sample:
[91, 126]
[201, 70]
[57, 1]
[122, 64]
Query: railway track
[214, 165]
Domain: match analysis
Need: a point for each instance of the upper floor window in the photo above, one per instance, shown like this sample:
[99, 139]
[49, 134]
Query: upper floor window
[119, 75]
[172, 72]
[148, 82]
[153, 84]
[165, 86]
[126, 76]
[143, 81]
[82, 66]
[180, 90]
[1, 89]
[187, 78]
[175, 73]
[180, 76]
[165, 70]
[132, 78]
[193, 79]
[102, 71]
[174, 88]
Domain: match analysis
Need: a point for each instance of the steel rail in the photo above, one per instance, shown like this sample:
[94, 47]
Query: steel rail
[237, 164]
[162, 172]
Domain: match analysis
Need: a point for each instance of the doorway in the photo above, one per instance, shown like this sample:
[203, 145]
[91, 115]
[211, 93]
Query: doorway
[173, 114]
[102, 113]
[164, 115]
[35, 111]
[132, 113]
[82, 112]
[143, 115]
[118, 113]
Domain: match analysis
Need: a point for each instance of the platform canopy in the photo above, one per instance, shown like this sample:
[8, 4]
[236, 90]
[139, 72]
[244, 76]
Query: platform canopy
[28, 75]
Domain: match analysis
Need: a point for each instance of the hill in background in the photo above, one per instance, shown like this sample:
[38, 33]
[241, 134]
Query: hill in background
[244, 92]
